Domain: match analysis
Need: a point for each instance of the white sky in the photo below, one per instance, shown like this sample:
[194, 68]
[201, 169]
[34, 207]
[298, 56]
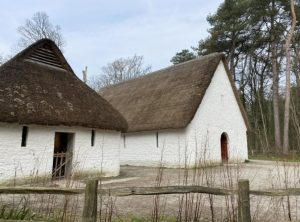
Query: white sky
[98, 31]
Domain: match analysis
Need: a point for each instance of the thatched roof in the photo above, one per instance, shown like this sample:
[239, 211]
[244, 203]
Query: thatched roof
[39, 87]
[168, 98]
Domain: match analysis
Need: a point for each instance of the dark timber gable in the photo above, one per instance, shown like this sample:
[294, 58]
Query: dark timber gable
[44, 55]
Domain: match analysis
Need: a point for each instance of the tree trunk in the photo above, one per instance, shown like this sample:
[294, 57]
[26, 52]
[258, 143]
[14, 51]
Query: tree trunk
[277, 133]
[288, 84]
[275, 98]
[232, 52]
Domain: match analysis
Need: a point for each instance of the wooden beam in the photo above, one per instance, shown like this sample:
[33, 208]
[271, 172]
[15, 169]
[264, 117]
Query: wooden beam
[42, 60]
[276, 192]
[129, 191]
[243, 201]
[40, 190]
[90, 202]
[123, 191]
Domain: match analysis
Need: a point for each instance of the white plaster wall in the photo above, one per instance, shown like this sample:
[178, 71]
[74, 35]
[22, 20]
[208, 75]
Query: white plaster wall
[37, 156]
[141, 148]
[218, 113]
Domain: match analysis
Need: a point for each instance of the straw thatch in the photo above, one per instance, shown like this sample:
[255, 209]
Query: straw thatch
[39, 87]
[169, 98]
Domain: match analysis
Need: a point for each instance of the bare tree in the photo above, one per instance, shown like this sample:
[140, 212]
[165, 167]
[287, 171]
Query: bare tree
[39, 27]
[288, 83]
[4, 58]
[1, 59]
[120, 70]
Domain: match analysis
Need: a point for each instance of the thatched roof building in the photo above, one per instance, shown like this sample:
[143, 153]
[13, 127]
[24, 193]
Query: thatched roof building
[168, 98]
[39, 87]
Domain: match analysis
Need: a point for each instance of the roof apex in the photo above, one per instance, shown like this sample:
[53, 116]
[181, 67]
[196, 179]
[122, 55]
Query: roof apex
[42, 52]
[38, 87]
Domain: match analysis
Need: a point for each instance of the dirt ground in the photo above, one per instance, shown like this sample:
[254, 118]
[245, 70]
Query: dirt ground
[261, 174]
[191, 207]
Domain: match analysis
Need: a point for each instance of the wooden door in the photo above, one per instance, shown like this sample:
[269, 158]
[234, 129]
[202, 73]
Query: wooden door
[224, 147]
[60, 155]
[59, 165]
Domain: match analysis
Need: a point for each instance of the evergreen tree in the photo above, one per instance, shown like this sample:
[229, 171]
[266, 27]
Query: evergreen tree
[183, 56]
[252, 34]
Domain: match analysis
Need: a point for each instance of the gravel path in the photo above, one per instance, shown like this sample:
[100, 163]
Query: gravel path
[261, 174]
[191, 207]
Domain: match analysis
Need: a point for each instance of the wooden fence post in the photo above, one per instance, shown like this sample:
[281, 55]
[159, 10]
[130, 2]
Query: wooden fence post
[90, 202]
[243, 201]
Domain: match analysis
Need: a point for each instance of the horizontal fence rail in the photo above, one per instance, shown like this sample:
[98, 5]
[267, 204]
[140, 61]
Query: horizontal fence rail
[163, 190]
[40, 190]
[123, 191]
[91, 191]
[276, 192]
[135, 191]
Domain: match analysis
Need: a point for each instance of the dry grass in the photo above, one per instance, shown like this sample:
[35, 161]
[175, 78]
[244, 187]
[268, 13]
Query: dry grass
[189, 207]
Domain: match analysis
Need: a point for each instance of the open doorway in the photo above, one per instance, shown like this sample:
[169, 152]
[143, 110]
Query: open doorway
[224, 147]
[62, 157]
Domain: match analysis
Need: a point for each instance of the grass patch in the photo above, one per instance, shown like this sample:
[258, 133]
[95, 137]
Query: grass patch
[133, 218]
[22, 213]
[291, 157]
[30, 180]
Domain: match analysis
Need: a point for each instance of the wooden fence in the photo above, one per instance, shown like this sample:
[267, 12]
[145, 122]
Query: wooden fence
[59, 165]
[91, 191]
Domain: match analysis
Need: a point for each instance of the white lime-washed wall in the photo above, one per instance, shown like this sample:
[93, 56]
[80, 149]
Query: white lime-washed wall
[200, 140]
[37, 156]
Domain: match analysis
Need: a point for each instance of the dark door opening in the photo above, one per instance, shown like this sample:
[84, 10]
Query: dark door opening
[62, 155]
[224, 147]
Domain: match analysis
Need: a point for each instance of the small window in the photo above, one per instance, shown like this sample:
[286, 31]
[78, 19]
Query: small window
[93, 138]
[24, 136]
[157, 139]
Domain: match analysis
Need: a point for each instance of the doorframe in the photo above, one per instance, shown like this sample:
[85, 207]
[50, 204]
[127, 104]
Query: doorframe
[69, 153]
[224, 134]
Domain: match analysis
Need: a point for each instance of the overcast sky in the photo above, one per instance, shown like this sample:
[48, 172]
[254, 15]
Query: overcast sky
[98, 31]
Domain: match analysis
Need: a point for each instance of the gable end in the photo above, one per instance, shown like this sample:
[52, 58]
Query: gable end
[45, 56]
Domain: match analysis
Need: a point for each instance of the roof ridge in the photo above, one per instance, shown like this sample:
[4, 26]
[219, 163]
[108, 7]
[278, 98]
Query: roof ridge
[199, 58]
[165, 99]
